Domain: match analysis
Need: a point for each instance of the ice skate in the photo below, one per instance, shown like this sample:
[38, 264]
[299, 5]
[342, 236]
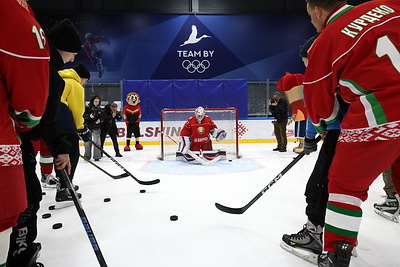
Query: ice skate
[48, 181]
[389, 209]
[340, 258]
[306, 244]
[64, 198]
[33, 254]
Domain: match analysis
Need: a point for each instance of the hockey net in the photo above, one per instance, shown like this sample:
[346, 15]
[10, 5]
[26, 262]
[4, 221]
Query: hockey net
[172, 121]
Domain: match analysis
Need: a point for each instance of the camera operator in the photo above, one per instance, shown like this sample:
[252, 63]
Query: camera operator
[279, 109]
[110, 115]
[93, 119]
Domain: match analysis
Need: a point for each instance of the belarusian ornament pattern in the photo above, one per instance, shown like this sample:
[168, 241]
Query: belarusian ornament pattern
[379, 133]
[10, 155]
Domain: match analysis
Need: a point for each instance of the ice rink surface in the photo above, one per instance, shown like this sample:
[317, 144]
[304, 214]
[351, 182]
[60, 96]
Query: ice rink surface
[134, 229]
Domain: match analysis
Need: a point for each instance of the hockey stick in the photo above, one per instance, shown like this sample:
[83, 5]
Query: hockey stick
[279, 176]
[202, 161]
[156, 181]
[98, 167]
[195, 156]
[84, 219]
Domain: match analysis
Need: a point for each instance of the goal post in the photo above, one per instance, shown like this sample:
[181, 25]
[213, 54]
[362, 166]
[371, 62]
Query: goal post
[172, 121]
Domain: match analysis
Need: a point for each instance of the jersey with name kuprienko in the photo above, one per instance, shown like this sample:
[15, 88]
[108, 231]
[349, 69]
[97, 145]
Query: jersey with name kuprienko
[24, 75]
[199, 133]
[357, 52]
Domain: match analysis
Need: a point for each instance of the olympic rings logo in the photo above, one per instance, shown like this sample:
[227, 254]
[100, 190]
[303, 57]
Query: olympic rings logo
[196, 65]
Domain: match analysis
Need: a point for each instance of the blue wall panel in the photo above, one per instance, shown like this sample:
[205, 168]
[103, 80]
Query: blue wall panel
[156, 95]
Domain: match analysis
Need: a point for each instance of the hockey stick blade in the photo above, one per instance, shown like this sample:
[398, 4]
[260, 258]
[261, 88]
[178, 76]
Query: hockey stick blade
[101, 169]
[156, 181]
[279, 176]
[244, 208]
[230, 210]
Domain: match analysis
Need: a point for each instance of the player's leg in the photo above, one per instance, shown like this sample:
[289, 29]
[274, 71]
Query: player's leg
[389, 209]
[349, 181]
[63, 193]
[316, 193]
[22, 249]
[46, 166]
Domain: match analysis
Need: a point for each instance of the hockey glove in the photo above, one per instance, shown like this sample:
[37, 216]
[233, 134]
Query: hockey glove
[310, 145]
[219, 134]
[84, 134]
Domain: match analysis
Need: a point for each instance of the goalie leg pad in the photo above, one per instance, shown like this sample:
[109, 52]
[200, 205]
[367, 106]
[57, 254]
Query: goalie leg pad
[184, 144]
[184, 157]
[212, 154]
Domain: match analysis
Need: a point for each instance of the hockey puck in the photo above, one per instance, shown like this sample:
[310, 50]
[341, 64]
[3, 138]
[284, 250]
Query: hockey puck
[57, 225]
[230, 160]
[52, 207]
[46, 215]
[142, 191]
[173, 218]
[107, 199]
[43, 193]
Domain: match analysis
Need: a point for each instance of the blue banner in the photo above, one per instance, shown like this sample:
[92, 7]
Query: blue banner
[143, 47]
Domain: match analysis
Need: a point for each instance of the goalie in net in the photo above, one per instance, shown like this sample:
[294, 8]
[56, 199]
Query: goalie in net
[195, 139]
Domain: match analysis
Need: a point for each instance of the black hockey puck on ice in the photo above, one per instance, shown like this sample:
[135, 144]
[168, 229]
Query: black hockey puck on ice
[52, 207]
[57, 225]
[43, 193]
[173, 218]
[107, 199]
[142, 191]
[46, 215]
[230, 160]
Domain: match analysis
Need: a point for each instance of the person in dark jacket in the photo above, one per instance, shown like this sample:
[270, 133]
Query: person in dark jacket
[279, 109]
[109, 126]
[93, 119]
[64, 44]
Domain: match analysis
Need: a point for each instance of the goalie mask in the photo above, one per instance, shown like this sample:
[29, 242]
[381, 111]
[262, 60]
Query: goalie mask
[132, 99]
[199, 113]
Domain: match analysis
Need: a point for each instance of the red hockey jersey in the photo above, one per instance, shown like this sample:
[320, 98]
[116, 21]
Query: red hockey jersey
[24, 72]
[357, 55]
[199, 133]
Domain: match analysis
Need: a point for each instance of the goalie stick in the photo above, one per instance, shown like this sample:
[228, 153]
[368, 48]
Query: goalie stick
[200, 160]
[109, 174]
[156, 181]
[84, 219]
[279, 176]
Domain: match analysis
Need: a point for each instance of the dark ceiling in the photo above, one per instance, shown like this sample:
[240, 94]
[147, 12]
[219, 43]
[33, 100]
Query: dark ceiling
[172, 6]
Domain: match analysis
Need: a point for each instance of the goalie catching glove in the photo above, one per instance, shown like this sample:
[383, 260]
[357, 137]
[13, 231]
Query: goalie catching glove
[219, 134]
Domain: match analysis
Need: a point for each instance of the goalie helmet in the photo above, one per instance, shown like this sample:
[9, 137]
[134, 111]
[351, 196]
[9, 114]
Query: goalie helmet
[199, 113]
